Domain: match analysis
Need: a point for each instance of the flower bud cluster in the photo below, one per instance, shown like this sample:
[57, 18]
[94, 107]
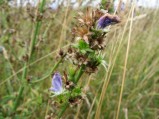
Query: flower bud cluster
[89, 38]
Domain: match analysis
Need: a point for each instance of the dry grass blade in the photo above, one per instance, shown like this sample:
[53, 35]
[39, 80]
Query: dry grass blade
[125, 64]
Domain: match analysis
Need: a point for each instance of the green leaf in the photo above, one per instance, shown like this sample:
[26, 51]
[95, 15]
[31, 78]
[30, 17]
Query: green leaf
[89, 50]
[83, 47]
[4, 39]
[5, 99]
[96, 33]
[39, 100]
[71, 73]
[104, 64]
[97, 59]
[82, 44]
[76, 92]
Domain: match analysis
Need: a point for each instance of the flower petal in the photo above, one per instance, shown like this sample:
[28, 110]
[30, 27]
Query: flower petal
[56, 83]
[107, 20]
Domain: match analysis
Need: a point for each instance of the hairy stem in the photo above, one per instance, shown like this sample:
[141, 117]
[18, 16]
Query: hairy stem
[79, 73]
[36, 32]
[21, 90]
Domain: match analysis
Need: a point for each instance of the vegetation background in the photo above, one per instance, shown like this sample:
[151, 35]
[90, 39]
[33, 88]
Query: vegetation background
[130, 84]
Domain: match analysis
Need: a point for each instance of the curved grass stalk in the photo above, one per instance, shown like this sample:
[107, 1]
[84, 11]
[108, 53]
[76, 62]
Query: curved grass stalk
[63, 34]
[125, 65]
[19, 71]
[53, 69]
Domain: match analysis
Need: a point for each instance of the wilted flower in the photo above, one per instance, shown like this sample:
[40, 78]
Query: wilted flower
[75, 100]
[56, 84]
[107, 20]
[85, 22]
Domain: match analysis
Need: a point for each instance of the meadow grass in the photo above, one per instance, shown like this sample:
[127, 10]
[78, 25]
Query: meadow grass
[128, 89]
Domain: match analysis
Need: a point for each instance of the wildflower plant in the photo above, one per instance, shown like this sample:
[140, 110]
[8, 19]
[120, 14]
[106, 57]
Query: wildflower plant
[85, 54]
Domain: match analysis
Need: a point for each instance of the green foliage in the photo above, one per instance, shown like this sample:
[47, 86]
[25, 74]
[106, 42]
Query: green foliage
[83, 47]
[2, 2]
[6, 99]
[95, 59]
[71, 73]
[96, 33]
[103, 3]
[76, 92]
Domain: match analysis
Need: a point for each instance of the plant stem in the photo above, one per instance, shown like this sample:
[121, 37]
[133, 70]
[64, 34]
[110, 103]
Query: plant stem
[36, 32]
[77, 77]
[48, 74]
[63, 109]
[17, 101]
[79, 73]
[57, 64]
[20, 93]
[33, 41]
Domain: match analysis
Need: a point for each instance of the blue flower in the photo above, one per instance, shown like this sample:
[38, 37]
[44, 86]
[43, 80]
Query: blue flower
[107, 20]
[57, 84]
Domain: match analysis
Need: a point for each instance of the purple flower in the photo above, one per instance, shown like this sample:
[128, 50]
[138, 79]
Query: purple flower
[107, 20]
[56, 83]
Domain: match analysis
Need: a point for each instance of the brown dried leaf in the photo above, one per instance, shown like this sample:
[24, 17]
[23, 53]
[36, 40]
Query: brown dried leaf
[85, 38]
[81, 20]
